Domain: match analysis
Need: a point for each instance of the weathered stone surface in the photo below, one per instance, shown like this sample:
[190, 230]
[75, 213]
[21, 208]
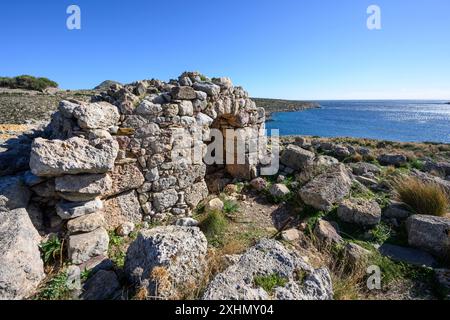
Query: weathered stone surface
[266, 258]
[428, 178]
[72, 156]
[15, 158]
[430, 233]
[124, 178]
[86, 223]
[356, 254]
[99, 115]
[214, 204]
[166, 259]
[45, 189]
[297, 158]
[259, 184]
[360, 211]
[122, 208]
[70, 210]
[83, 187]
[185, 108]
[103, 285]
[443, 279]
[279, 190]
[361, 168]
[125, 229]
[186, 222]
[290, 235]
[392, 159]
[84, 246]
[408, 255]
[326, 233]
[21, 267]
[196, 193]
[13, 193]
[327, 188]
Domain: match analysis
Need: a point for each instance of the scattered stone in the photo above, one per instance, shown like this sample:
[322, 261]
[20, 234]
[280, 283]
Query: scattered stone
[214, 204]
[397, 210]
[266, 258]
[13, 193]
[122, 209]
[360, 211]
[408, 255]
[186, 222]
[396, 160]
[82, 247]
[259, 184]
[326, 233]
[103, 285]
[163, 253]
[327, 188]
[70, 210]
[362, 168]
[72, 156]
[279, 190]
[296, 158]
[99, 115]
[429, 233]
[21, 267]
[83, 187]
[86, 223]
[195, 194]
[356, 254]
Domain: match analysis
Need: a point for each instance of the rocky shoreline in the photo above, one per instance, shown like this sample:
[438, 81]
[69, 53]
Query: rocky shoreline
[98, 209]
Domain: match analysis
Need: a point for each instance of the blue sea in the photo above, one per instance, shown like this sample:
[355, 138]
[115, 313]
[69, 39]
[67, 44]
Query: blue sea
[406, 121]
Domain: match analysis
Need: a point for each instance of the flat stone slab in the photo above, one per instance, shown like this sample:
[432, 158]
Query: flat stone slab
[408, 255]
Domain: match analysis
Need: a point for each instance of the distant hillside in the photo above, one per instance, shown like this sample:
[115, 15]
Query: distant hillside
[278, 105]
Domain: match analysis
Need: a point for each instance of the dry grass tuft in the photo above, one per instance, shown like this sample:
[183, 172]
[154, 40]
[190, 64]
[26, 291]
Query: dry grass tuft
[422, 197]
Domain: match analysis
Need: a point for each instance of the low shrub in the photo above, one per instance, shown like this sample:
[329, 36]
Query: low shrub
[27, 82]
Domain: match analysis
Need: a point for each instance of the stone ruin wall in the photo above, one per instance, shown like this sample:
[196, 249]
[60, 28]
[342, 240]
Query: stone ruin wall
[114, 157]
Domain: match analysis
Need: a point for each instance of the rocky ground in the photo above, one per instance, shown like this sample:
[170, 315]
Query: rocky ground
[333, 219]
[24, 106]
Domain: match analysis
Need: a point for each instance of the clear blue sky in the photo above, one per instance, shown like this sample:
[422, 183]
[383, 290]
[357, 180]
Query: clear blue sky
[311, 49]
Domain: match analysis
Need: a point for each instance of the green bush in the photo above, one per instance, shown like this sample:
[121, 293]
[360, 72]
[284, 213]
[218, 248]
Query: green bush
[27, 82]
